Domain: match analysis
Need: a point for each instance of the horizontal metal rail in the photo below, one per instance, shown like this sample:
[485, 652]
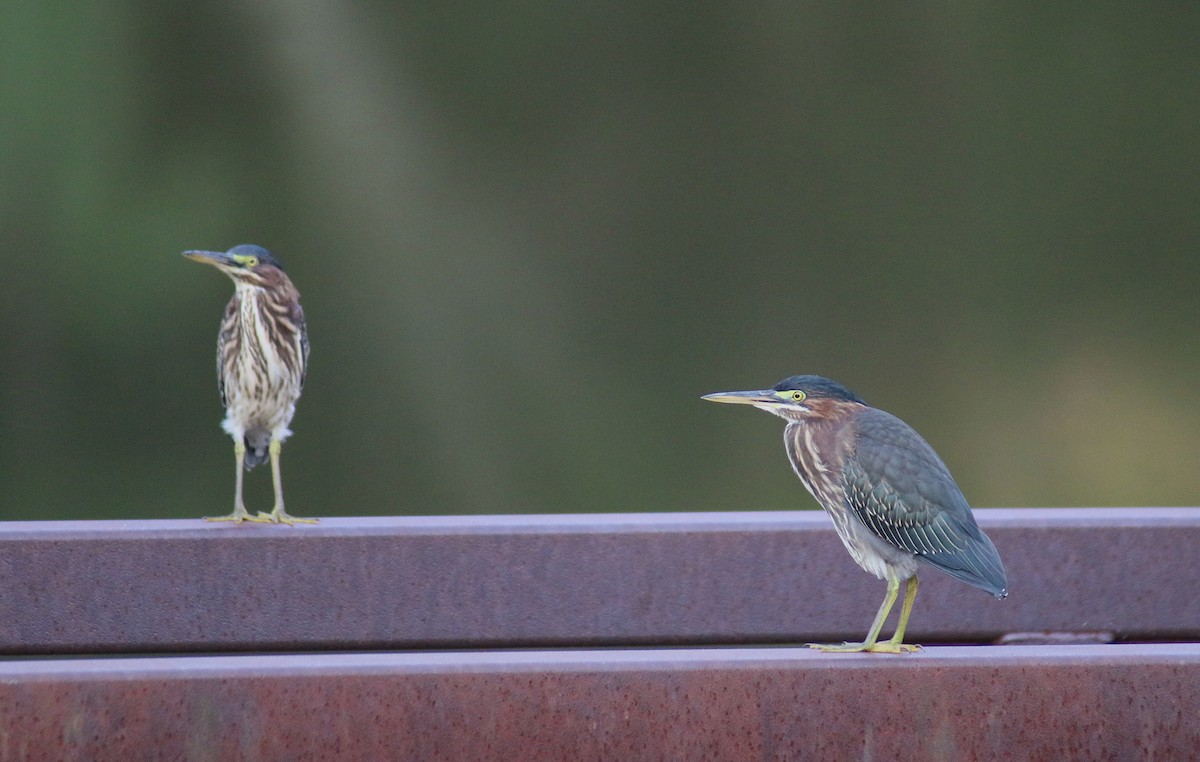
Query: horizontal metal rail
[1128, 701]
[569, 580]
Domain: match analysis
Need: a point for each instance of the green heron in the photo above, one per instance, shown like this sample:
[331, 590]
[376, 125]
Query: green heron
[262, 356]
[892, 499]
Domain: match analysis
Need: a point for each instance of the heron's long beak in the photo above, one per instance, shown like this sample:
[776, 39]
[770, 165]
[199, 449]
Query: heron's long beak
[216, 258]
[760, 397]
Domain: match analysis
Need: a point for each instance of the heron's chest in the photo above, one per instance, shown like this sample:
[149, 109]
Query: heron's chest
[818, 456]
[817, 459]
[262, 365]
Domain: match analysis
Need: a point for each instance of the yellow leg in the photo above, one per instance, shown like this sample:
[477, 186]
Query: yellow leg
[871, 643]
[278, 514]
[910, 595]
[239, 508]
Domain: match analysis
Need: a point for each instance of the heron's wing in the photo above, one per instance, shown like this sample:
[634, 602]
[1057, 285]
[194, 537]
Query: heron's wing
[302, 330]
[227, 348]
[902, 491]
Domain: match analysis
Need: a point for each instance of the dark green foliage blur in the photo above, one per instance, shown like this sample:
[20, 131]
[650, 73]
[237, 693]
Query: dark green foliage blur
[528, 238]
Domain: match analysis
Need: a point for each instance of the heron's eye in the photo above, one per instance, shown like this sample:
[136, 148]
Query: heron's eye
[798, 396]
[250, 260]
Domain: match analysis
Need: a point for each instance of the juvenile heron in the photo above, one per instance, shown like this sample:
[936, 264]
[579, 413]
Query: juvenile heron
[892, 499]
[262, 357]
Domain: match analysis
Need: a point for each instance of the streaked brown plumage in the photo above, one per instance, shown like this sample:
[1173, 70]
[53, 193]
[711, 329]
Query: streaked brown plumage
[262, 359]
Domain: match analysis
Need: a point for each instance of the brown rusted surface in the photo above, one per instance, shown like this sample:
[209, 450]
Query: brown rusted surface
[569, 580]
[945, 703]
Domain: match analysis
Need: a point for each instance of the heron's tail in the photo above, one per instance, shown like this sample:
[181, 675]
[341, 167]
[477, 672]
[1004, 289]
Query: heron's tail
[977, 564]
[257, 452]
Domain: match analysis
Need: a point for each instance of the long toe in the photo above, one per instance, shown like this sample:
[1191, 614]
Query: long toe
[237, 517]
[837, 648]
[291, 520]
[280, 516]
[888, 647]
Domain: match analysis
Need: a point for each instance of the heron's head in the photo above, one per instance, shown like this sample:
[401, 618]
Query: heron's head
[797, 398]
[247, 264]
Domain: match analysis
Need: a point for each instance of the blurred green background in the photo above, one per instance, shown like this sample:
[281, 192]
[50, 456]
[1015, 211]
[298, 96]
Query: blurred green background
[529, 237]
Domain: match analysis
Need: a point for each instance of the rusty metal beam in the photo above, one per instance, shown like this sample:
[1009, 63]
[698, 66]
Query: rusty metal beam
[945, 703]
[567, 580]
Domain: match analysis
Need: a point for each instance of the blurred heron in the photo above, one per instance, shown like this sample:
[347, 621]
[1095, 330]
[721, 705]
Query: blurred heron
[262, 357]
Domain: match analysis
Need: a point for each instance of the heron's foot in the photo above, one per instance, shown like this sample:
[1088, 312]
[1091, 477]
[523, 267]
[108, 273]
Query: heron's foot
[280, 516]
[237, 517]
[886, 647]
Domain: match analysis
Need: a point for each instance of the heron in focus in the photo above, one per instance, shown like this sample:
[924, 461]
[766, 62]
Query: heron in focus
[893, 502]
[262, 357]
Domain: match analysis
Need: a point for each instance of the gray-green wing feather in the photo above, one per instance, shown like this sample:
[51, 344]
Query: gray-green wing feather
[902, 491]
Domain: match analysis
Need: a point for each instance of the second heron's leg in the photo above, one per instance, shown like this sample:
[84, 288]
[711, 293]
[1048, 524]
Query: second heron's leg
[278, 515]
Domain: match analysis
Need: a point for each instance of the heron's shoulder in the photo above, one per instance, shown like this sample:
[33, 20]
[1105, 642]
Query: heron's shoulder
[894, 448]
[873, 424]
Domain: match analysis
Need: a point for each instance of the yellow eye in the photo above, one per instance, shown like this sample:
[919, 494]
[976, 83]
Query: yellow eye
[247, 260]
[798, 396]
